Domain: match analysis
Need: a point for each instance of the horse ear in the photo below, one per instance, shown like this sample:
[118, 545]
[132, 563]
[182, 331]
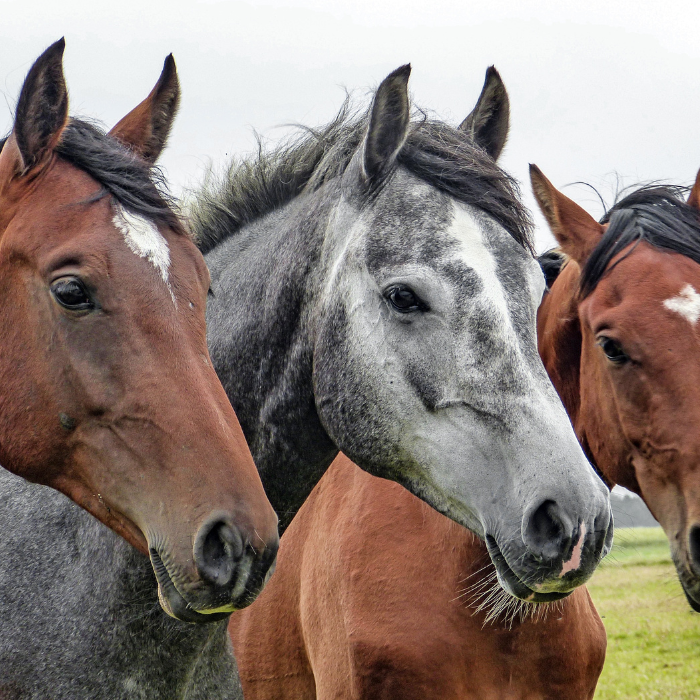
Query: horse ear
[145, 129]
[388, 124]
[42, 110]
[489, 121]
[694, 196]
[576, 231]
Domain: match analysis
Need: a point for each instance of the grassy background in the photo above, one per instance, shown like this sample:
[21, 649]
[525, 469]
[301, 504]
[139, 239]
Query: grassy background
[653, 636]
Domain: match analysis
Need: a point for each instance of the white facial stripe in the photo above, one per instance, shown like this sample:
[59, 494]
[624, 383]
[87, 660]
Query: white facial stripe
[687, 304]
[467, 231]
[145, 240]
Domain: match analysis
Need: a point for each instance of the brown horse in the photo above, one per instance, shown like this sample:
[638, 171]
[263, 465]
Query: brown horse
[378, 596]
[619, 337]
[106, 387]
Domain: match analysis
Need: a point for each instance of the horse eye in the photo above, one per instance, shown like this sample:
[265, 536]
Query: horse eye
[613, 350]
[403, 299]
[71, 294]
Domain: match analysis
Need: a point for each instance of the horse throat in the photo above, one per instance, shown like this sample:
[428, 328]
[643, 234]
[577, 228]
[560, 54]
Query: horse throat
[260, 316]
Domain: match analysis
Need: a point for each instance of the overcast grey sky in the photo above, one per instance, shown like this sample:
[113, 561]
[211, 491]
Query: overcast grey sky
[596, 88]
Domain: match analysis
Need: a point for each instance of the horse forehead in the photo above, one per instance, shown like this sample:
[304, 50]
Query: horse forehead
[144, 240]
[405, 222]
[413, 202]
[648, 284]
[412, 221]
[492, 253]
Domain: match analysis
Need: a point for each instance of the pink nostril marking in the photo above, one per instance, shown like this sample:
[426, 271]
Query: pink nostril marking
[575, 560]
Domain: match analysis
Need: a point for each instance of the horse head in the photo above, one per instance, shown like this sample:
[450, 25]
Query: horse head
[618, 334]
[425, 359]
[107, 390]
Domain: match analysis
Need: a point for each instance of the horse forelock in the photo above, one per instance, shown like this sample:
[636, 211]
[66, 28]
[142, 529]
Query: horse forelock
[441, 155]
[139, 188]
[655, 214]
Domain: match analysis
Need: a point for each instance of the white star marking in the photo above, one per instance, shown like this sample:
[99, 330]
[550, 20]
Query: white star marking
[146, 241]
[687, 304]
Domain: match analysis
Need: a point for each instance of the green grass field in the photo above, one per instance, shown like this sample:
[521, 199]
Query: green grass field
[653, 636]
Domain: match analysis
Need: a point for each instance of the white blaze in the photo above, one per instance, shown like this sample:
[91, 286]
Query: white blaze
[687, 304]
[145, 240]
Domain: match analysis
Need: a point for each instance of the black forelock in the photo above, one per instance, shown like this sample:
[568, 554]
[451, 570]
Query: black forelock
[656, 214]
[443, 156]
[138, 187]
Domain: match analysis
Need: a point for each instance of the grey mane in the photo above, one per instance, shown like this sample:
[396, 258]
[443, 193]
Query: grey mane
[444, 156]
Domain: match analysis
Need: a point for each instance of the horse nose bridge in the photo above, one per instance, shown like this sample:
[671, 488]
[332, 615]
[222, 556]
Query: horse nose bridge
[192, 461]
[552, 456]
[540, 420]
[197, 421]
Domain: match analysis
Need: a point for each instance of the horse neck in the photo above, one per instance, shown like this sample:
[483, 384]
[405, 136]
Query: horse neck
[264, 282]
[559, 338]
[93, 608]
[579, 381]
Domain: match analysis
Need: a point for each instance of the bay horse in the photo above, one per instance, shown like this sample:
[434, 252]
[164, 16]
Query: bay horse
[107, 394]
[618, 334]
[375, 594]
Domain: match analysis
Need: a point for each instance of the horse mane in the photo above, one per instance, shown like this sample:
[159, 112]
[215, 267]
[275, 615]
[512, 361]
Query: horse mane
[441, 155]
[657, 214]
[552, 262]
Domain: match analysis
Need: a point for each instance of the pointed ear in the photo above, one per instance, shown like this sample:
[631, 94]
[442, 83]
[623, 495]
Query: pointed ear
[576, 231]
[388, 124]
[42, 110]
[489, 121]
[145, 129]
[694, 196]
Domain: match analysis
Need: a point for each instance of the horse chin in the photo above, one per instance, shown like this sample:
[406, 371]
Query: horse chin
[512, 584]
[689, 580]
[174, 604]
[694, 604]
[691, 590]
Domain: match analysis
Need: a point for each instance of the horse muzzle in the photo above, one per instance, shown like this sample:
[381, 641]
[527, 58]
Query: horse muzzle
[553, 555]
[230, 573]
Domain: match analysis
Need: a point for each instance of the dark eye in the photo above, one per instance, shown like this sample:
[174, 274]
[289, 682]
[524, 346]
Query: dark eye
[613, 350]
[71, 294]
[403, 299]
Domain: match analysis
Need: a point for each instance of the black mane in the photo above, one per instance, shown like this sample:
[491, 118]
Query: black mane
[135, 185]
[655, 214]
[442, 155]
[551, 263]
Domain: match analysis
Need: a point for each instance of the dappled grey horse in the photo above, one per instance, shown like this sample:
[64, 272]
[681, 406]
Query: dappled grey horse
[373, 290]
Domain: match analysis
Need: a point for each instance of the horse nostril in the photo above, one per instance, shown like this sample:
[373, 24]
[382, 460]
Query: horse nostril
[218, 547]
[545, 533]
[694, 546]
